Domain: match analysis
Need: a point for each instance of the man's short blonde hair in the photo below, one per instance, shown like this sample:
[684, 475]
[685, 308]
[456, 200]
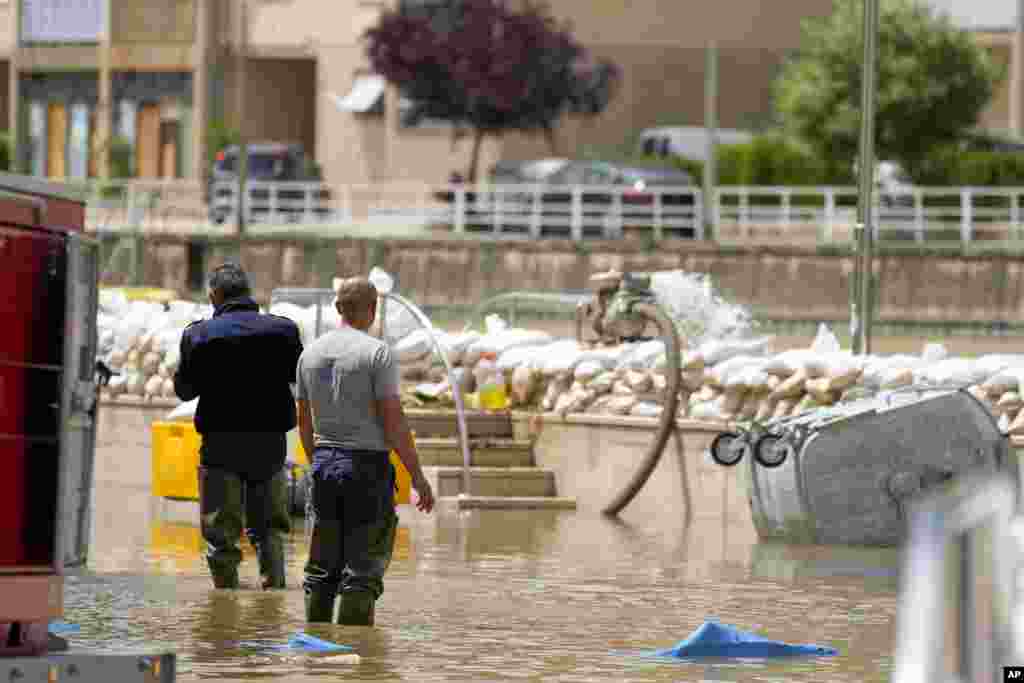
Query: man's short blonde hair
[356, 297]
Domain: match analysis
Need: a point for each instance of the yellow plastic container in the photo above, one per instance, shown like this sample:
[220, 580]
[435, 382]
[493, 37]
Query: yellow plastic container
[175, 453]
[175, 460]
[403, 480]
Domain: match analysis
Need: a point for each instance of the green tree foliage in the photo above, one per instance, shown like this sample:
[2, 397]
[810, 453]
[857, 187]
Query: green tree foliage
[934, 80]
[488, 65]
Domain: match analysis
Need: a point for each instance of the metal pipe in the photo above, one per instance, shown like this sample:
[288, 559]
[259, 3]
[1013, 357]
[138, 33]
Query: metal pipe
[866, 178]
[460, 411]
[667, 422]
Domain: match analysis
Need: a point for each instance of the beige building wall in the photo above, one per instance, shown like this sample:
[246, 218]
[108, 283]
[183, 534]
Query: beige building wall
[280, 99]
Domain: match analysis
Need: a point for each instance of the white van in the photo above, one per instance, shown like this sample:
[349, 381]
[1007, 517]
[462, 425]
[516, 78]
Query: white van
[686, 141]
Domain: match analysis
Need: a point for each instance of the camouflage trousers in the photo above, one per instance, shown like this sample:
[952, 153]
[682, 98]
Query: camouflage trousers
[228, 501]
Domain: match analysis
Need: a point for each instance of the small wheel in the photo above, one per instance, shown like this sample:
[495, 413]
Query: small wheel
[728, 449]
[772, 450]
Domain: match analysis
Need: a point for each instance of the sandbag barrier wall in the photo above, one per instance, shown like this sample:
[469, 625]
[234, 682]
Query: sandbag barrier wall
[788, 283]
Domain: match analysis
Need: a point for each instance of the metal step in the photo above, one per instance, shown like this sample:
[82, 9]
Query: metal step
[509, 502]
[435, 452]
[516, 482]
[444, 424]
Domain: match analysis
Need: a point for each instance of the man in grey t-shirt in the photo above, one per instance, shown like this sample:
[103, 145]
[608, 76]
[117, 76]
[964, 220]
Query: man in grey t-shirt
[350, 417]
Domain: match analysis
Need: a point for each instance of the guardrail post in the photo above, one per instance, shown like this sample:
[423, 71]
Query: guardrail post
[307, 201]
[535, 213]
[1015, 214]
[744, 212]
[659, 229]
[577, 213]
[787, 213]
[497, 204]
[460, 210]
[918, 215]
[272, 198]
[830, 214]
[614, 228]
[697, 219]
[965, 215]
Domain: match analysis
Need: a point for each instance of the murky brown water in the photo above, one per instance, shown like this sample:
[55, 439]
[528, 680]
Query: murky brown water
[481, 596]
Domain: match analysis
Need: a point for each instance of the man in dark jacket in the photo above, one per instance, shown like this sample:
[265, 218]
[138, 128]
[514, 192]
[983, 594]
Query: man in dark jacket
[240, 364]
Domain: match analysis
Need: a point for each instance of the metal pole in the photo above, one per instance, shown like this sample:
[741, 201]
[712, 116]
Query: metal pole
[866, 176]
[711, 130]
[243, 147]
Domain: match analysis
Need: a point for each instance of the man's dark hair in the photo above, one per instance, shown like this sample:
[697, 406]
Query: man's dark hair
[230, 281]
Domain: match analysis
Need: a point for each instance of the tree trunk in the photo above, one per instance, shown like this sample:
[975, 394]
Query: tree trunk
[474, 157]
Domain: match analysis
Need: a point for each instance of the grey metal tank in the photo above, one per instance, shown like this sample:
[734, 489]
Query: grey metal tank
[851, 469]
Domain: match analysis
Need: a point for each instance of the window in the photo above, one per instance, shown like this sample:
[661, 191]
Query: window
[78, 144]
[37, 138]
[62, 21]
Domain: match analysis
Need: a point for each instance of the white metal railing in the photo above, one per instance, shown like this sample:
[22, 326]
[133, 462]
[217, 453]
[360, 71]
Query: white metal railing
[737, 214]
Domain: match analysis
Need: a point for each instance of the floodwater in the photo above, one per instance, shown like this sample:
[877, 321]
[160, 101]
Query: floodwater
[478, 596]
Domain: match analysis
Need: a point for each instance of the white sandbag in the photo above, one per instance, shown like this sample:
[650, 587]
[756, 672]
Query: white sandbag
[933, 353]
[609, 357]
[709, 410]
[150, 363]
[134, 383]
[1008, 379]
[603, 383]
[561, 357]
[499, 342]
[716, 351]
[167, 390]
[116, 386]
[172, 358]
[117, 359]
[825, 341]
[113, 302]
[951, 371]
[166, 339]
[531, 356]
[455, 345]
[638, 382]
[720, 373]
[993, 363]
[621, 405]
[588, 370]
[184, 412]
[153, 387]
[575, 400]
[646, 409]
[642, 356]
[751, 378]
[692, 360]
[414, 347]
[525, 383]
[896, 377]
[132, 326]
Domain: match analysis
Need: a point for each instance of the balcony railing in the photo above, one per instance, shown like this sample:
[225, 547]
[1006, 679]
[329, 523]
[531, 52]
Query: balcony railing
[737, 214]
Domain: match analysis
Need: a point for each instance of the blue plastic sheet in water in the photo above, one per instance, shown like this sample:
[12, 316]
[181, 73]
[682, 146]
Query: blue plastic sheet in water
[721, 640]
[300, 642]
[59, 628]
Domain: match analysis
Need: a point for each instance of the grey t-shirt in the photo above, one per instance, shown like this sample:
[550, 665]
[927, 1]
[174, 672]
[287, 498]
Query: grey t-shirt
[342, 375]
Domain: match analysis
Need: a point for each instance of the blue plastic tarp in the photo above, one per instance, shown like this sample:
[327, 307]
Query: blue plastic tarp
[721, 640]
[59, 628]
[301, 642]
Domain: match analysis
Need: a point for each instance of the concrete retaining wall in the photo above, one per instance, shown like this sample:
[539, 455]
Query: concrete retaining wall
[781, 283]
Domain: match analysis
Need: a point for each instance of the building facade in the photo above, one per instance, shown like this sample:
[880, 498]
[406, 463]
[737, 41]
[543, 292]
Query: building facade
[154, 77]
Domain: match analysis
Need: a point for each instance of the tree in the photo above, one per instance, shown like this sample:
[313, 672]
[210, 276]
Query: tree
[934, 80]
[489, 67]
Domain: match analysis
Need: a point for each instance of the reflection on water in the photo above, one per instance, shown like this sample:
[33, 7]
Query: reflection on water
[500, 595]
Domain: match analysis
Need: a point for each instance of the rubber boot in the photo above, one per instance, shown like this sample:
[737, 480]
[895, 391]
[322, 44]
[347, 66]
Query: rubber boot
[319, 606]
[271, 561]
[357, 608]
[223, 577]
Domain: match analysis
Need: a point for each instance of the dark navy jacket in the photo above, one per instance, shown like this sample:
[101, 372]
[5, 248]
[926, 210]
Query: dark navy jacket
[240, 364]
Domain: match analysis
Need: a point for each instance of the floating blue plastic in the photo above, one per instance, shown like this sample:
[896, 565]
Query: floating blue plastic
[302, 642]
[721, 640]
[61, 627]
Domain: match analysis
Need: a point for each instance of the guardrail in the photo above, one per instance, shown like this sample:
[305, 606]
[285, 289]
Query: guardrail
[737, 214]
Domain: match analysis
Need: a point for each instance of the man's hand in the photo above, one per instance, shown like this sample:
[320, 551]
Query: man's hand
[424, 494]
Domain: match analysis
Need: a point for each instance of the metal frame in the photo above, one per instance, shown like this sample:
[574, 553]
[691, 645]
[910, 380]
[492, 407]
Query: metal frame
[937, 523]
[88, 668]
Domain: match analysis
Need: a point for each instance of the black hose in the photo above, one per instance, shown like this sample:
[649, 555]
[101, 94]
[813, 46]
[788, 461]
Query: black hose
[668, 414]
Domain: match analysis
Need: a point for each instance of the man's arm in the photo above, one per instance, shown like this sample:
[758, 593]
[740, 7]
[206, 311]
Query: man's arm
[186, 384]
[399, 436]
[306, 428]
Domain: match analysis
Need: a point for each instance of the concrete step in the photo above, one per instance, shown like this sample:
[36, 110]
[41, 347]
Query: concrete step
[508, 503]
[518, 482]
[437, 452]
[444, 424]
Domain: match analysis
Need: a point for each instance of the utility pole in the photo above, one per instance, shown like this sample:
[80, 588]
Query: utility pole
[243, 147]
[711, 130]
[862, 309]
[1017, 75]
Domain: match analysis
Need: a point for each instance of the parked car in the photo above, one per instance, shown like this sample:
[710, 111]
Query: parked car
[686, 141]
[268, 162]
[639, 188]
[894, 185]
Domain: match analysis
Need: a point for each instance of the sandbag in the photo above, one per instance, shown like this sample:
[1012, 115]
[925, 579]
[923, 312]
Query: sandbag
[719, 374]
[414, 347]
[714, 352]
[793, 386]
[525, 383]
[603, 383]
[621, 405]
[642, 356]
[184, 412]
[501, 341]
[531, 356]
[951, 371]
[561, 357]
[639, 382]
[645, 409]
[588, 370]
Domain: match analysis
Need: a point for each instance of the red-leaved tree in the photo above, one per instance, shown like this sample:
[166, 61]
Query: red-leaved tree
[489, 66]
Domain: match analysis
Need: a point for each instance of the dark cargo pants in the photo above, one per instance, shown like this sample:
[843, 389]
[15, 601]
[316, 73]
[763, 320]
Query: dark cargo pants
[226, 501]
[354, 524]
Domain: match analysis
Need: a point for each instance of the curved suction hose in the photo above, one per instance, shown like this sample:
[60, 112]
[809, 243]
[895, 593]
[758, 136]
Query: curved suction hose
[668, 414]
[460, 411]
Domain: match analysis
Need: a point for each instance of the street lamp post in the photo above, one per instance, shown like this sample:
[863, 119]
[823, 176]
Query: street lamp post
[862, 308]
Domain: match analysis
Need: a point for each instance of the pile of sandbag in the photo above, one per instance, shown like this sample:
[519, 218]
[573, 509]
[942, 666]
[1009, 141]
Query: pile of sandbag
[141, 341]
